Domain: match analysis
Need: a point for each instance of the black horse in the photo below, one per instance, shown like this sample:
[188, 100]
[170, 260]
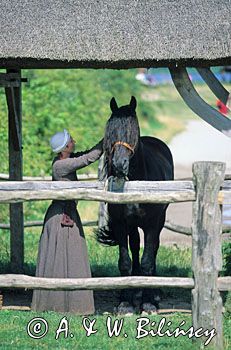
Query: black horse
[129, 156]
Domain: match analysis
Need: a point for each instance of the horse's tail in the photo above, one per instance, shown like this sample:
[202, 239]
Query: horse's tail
[105, 235]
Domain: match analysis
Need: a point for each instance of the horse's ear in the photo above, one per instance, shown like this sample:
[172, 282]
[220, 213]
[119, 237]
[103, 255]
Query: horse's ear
[113, 105]
[133, 103]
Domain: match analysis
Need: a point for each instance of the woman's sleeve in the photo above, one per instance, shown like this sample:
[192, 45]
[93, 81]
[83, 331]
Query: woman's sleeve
[65, 166]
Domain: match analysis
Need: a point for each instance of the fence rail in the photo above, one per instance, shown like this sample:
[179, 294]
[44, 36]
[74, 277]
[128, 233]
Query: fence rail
[102, 283]
[168, 225]
[133, 192]
[40, 223]
[207, 191]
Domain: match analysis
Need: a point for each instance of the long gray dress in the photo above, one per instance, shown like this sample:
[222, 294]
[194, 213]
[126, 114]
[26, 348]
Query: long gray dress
[62, 249]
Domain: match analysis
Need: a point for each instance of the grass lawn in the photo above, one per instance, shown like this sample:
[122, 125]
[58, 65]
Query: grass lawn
[171, 262]
[14, 327]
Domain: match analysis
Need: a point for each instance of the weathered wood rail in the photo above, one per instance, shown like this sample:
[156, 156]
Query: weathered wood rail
[133, 192]
[208, 191]
[40, 223]
[103, 283]
[168, 224]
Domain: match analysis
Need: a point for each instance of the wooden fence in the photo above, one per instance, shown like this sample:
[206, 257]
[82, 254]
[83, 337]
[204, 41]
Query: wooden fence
[208, 191]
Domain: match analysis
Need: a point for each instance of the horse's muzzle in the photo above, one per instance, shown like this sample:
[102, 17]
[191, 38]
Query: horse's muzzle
[120, 169]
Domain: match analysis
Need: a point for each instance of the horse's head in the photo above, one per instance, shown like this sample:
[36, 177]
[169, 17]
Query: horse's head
[121, 137]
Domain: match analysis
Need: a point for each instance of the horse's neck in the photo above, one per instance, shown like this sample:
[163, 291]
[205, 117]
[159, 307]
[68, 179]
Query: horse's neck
[137, 168]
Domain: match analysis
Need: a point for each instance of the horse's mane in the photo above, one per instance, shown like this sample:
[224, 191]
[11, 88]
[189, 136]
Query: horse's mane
[122, 126]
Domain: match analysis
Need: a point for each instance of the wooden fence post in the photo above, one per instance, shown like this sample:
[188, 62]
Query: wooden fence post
[206, 249]
[14, 103]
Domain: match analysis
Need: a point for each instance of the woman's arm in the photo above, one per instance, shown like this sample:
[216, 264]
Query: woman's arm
[63, 167]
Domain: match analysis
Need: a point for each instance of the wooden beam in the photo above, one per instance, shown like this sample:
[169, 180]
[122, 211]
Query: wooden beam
[133, 191]
[14, 102]
[183, 229]
[214, 84]
[102, 283]
[206, 248]
[129, 186]
[197, 104]
[98, 195]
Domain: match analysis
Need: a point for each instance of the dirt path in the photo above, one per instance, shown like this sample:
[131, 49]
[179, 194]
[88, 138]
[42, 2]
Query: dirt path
[199, 142]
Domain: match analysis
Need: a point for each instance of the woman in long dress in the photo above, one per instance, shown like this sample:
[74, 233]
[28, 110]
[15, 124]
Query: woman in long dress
[62, 248]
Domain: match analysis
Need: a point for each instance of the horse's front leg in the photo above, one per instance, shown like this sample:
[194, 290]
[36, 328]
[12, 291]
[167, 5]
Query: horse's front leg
[125, 267]
[124, 262]
[148, 261]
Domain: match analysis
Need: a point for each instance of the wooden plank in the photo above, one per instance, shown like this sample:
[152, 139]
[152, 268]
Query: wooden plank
[102, 283]
[129, 186]
[40, 223]
[224, 284]
[138, 191]
[214, 84]
[168, 225]
[206, 248]
[186, 230]
[23, 281]
[15, 172]
[197, 104]
[97, 195]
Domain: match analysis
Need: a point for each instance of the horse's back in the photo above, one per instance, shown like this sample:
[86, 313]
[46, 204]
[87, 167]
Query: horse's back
[158, 159]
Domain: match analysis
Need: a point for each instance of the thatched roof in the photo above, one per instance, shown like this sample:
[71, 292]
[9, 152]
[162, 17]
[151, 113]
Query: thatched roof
[114, 34]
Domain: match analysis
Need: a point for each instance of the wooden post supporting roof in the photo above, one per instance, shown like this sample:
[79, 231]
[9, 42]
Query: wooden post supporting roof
[14, 103]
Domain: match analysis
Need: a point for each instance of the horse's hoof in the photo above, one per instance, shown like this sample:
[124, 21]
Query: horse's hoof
[148, 309]
[125, 309]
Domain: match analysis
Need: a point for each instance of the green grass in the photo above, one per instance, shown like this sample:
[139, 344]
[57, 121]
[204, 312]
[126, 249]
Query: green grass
[13, 333]
[103, 260]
